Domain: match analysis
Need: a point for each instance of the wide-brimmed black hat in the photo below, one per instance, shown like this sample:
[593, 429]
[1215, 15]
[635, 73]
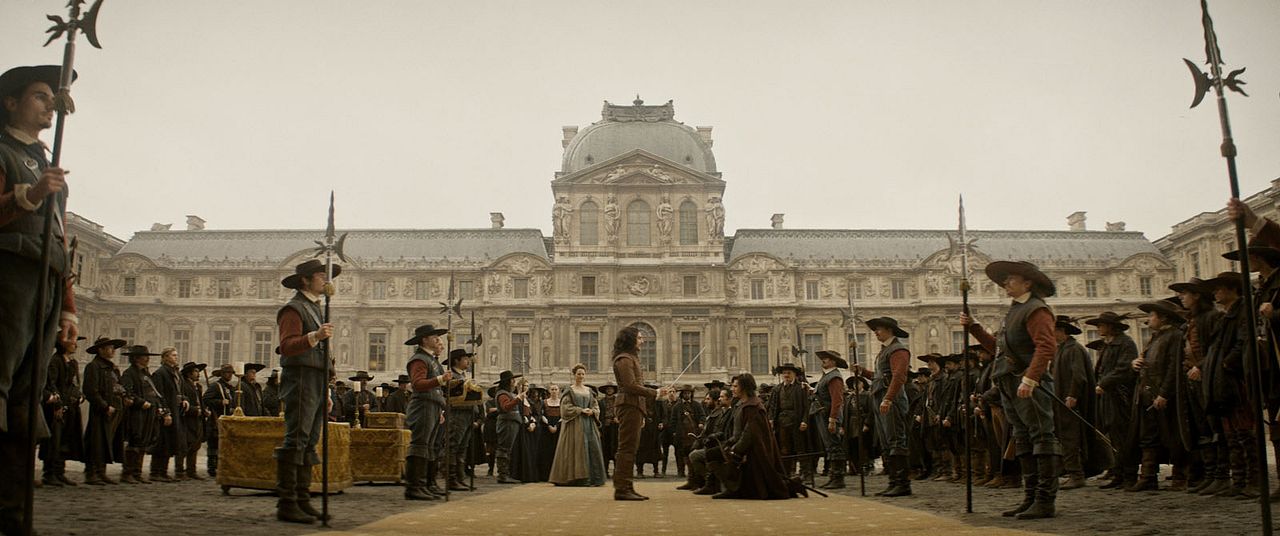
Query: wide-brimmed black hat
[1096, 344]
[1195, 286]
[1224, 279]
[1168, 310]
[104, 341]
[226, 369]
[425, 330]
[999, 271]
[609, 385]
[403, 378]
[788, 366]
[929, 357]
[18, 78]
[764, 388]
[138, 350]
[506, 376]
[492, 391]
[890, 323]
[834, 356]
[848, 382]
[294, 281]
[1109, 317]
[924, 371]
[457, 353]
[1268, 255]
[361, 376]
[192, 365]
[1064, 322]
[685, 387]
[253, 366]
[715, 384]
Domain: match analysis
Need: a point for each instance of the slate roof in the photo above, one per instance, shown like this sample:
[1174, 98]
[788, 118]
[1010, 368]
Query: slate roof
[1035, 246]
[387, 244]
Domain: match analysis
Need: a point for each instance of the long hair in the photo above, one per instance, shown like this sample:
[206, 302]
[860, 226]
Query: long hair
[747, 383]
[627, 342]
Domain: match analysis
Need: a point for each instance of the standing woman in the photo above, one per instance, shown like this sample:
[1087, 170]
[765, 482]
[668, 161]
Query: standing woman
[579, 457]
[524, 452]
[551, 415]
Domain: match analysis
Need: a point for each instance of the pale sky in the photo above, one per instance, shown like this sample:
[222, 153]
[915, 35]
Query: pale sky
[845, 114]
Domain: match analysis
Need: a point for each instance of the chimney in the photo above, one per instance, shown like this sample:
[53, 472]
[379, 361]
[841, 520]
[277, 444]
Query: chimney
[569, 132]
[777, 221]
[1075, 221]
[705, 133]
[496, 220]
[195, 223]
[1115, 227]
[161, 226]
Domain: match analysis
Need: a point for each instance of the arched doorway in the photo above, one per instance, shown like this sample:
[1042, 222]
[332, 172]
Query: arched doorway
[649, 353]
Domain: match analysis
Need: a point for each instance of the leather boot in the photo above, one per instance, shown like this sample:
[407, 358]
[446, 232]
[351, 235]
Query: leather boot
[91, 476]
[836, 480]
[137, 467]
[995, 482]
[160, 468]
[898, 477]
[433, 488]
[1030, 482]
[414, 483]
[695, 481]
[504, 468]
[1179, 480]
[1074, 481]
[191, 466]
[1150, 472]
[889, 470]
[456, 477]
[1046, 488]
[302, 493]
[126, 469]
[711, 487]
[286, 486]
[1253, 468]
[102, 475]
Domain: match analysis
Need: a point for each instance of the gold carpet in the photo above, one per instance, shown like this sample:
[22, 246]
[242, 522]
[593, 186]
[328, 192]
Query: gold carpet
[544, 509]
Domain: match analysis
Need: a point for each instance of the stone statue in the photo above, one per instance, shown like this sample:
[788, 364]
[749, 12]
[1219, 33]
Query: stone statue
[560, 216]
[665, 216]
[715, 218]
[612, 219]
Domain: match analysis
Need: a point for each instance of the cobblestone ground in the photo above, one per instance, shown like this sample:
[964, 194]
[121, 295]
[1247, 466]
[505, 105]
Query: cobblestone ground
[199, 507]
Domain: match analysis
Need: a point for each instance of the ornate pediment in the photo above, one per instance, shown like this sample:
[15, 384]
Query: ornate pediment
[639, 167]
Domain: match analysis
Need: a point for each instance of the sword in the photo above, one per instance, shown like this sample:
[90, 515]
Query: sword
[686, 368]
[1081, 418]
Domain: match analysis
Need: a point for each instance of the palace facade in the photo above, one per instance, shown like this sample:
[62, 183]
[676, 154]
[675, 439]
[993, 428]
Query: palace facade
[638, 239]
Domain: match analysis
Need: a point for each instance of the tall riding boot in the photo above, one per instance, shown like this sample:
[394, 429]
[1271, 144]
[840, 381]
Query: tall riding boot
[415, 468]
[1046, 487]
[898, 477]
[160, 468]
[91, 475]
[807, 470]
[126, 469]
[889, 470]
[191, 465]
[710, 487]
[433, 467]
[286, 486]
[1221, 473]
[179, 467]
[504, 468]
[1253, 467]
[836, 480]
[459, 475]
[137, 467]
[1239, 468]
[302, 491]
[1179, 479]
[1030, 482]
[1149, 480]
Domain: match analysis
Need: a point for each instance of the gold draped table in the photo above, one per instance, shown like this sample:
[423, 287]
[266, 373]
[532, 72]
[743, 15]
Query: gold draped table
[247, 445]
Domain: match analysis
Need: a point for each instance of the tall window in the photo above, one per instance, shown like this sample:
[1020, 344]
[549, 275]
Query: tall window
[898, 289]
[860, 353]
[810, 290]
[224, 289]
[520, 287]
[588, 285]
[589, 224]
[1090, 335]
[520, 353]
[378, 351]
[812, 343]
[855, 287]
[758, 344]
[589, 350]
[1144, 285]
[757, 289]
[649, 352]
[688, 223]
[690, 286]
[1195, 264]
[262, 346]
[130, 286]
[690, 346]
[957, 342]
[182, 341]
[638, 223]
[128, 335]
[1091, 288]
[421, 290]
[266, 289]
[184, 288]
[1144, 336]
[221, 354]
[467, 290]
[379, 290]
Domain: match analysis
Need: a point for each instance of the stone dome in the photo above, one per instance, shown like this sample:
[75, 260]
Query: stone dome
[623, 129]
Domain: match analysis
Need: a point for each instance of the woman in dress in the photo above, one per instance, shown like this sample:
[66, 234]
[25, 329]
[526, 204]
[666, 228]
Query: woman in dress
[579, 457]
[549, 440]
[524, 452]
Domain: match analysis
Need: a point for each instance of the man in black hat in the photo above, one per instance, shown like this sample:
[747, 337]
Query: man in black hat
[271, 395]
[143, 413]
[425, 412]
[193, 419]
[1075, 381]
[1156, 400]
[171, 441]
[398, 401]
[304, 384]
[508, 423]
[249, 392]
[858, 423]
[1025, 349]
[1265, 261]
[684, 421]
[218, 400]
[463, 416]
[1208, 474]
[26, 182]
[608, 423]
[1226, 392]
[1114, 372]
[360, 400]
[789, 414]
[62, 412]
[889, 393]
[827, 415]
[103, 438]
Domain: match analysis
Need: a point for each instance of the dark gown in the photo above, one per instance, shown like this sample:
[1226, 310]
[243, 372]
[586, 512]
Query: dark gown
[548, 441]
[525, 451]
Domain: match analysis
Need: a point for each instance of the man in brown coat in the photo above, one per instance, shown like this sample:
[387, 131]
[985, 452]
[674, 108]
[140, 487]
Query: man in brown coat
[632, 408]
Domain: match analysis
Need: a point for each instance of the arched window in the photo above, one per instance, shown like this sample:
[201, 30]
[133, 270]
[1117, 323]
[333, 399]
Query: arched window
[638, 223]
[649, 352]
[688, 223]
[588, 224]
